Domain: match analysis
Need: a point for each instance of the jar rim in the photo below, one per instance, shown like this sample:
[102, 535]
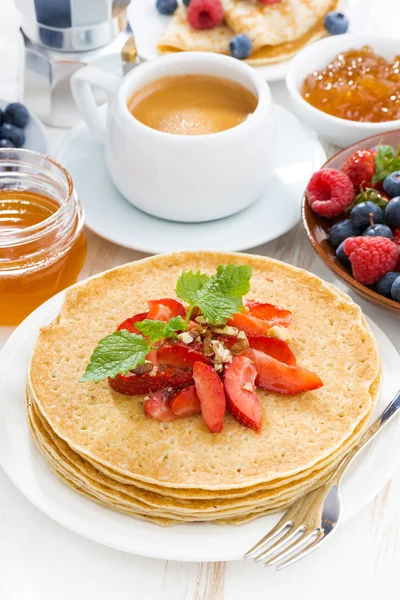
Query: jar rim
[28, 232]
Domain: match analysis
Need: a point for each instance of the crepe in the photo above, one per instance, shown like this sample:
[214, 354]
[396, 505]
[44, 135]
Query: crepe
[277, 31]
[329, 337]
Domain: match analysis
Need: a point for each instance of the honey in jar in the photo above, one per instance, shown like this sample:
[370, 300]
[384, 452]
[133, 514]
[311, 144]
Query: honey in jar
[42, 242]
[357, 85]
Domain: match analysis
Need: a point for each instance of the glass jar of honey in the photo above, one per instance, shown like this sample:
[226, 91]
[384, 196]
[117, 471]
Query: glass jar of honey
[42, 242]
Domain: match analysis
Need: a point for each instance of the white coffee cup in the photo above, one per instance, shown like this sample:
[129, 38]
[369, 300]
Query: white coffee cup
[178, 177]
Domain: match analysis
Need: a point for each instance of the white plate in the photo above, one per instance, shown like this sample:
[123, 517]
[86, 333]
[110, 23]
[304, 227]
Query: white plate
[193, 542]
[147, 25]
[298, 154]
[35, 133]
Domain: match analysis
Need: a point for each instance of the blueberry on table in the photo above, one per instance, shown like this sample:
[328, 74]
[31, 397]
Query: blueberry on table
[393, 212]
[385, 283]
[336, 22]
[17, 114]
[6, 143]
[186, 2]
[341, 231]
[395, 290]
[166, 7]
[342, 256]
[363, 213]
[379, 230]
[240, 46]
[12, 133]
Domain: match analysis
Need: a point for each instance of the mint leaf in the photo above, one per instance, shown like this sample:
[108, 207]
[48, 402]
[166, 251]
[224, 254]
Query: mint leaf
[368, 195]
[117, 353]
[189, 285]
[175, 324]
[159, 330]
[219, 296]
[387, 160]
[154, 330]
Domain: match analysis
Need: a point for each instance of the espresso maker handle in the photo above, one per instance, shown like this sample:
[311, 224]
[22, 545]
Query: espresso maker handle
[81, 87]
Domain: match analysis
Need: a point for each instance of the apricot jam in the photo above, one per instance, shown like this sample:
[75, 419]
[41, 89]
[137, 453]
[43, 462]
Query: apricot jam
[42, 242]
[357, 85]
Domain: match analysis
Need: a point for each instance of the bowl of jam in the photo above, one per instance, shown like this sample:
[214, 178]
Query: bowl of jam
[42, 241]
[347, 87]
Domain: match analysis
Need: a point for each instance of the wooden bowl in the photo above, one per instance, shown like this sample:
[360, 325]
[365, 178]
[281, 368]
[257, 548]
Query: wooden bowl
[317, 227]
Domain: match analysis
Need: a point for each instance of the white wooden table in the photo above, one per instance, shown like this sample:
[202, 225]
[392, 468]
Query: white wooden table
[40, 560]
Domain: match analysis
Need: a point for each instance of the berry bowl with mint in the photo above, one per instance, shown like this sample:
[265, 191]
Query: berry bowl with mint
[351, 213]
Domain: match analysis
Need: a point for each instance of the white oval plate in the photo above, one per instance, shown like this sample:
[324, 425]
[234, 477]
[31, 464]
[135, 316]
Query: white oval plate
[147, 25]
[35, 133]
[298, 154]
[193, 542]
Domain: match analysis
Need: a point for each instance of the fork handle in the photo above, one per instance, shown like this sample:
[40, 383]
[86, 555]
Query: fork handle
[367, 437]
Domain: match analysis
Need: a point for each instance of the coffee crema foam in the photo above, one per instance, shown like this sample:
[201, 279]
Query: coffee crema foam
[192, 104]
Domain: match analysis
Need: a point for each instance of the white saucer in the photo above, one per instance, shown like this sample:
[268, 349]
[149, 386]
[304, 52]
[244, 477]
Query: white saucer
[197, 542]
[298, 155]
[147, 25]
[35, 133]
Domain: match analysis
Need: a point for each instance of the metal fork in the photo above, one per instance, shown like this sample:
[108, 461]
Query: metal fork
[312, 519]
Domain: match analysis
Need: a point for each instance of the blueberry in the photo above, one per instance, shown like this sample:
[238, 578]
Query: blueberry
[393, 212]
[166, 7]
[186, 2]
[17, 114]
[342, 256]
[12, 133]
[362, 213]
[391, 185]
[336, 22]
[385, 283]
[6, 143]
[341, 231]
[379, 230]
[395, 289]
[240, 46]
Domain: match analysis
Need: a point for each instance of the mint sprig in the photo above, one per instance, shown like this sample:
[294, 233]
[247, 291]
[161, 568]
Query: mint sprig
[387, 160]
[159, 330]
[116, 353]
[368, 195]
[218, 296]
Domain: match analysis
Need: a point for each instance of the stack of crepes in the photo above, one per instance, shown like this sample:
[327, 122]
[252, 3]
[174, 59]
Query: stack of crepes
[100, 442]
[277, 31]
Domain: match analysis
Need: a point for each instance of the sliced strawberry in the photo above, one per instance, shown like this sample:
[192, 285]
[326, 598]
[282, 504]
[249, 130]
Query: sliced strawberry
[278, 377]
[243, 403]
[210, 391]
[186, 403]
[157, 407]
[180, 355]
[165, 309]
[278, 349]
[129, 324]
[249, 324]
[269, 312]
[133, 385]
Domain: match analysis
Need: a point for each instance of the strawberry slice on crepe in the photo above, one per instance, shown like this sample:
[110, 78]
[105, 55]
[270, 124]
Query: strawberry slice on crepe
[186, 403]
[180, 355]
[278, 349]
[242, 401]
[165, 309]
[277, 377]
[210, 391]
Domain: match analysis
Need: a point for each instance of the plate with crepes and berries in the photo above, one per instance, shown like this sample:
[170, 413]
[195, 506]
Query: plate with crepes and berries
[175, 404]
[351, 212]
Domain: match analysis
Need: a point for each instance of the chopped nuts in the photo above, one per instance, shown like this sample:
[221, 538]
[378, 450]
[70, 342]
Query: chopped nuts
[201, 320]
[241, 335]
[187, 337]
[142, 369]
[248, 386]
[227, 330]
[281, 333]
[207, 346]
[239, 346]
[221, 353]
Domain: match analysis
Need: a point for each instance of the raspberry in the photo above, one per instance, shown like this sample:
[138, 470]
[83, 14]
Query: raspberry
[360, 168]
[329, 192]
[205, 14]
[371, 257]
